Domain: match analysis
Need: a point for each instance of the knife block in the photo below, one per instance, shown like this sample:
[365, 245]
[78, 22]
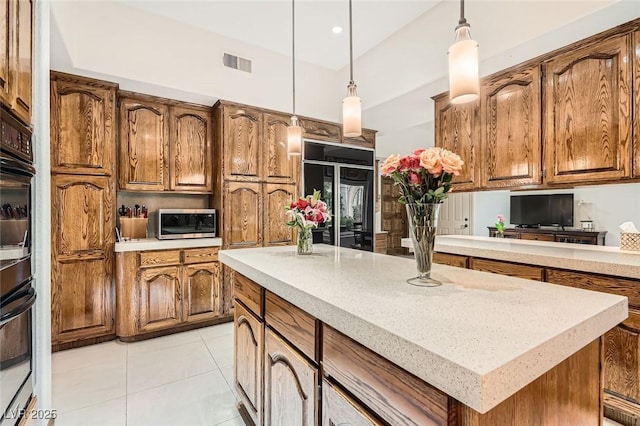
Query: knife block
[133, 227]
[12, 231]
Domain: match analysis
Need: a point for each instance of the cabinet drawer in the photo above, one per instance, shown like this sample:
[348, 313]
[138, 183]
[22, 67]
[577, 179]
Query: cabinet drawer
[451, 259]
[537, 237]
[339, 409]
[506, 268]
[295, 325]
[248, 293]
[614, 285]
[201, 255]
[397, 396]
[159, 258]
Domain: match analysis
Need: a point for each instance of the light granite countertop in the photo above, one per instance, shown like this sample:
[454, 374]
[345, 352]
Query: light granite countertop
[576, 257]
[156, 244]
[479, 337]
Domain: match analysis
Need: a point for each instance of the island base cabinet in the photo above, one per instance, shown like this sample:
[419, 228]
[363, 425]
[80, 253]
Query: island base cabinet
[248, 361]
[290, 385]
[340, 409]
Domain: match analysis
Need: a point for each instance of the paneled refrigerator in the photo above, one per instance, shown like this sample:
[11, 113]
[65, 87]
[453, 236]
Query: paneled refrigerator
[345, 175]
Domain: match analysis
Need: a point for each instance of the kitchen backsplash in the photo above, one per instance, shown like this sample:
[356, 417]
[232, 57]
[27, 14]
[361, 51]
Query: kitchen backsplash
[153, 202]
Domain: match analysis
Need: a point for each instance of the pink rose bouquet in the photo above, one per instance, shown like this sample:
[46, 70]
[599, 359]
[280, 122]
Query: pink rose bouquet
[500, 224]
[424, 176]
[308, 212]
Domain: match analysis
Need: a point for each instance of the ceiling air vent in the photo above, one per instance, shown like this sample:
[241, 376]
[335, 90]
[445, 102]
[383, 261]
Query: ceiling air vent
[236, 62]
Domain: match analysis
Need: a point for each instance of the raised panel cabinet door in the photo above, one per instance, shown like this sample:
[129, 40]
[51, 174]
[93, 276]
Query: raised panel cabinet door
[587, 113]
[457, 128]
[243, 221]
[190, 150]
[242, 142]
[82, 136]
[290, 385]
[636, 115]
[248, 361]
[278, 165]
[339, 409]
[277, 196]
[201, 291]
[82, 298]
[511, 152]
[6, 38]
[160, 303]
[144, 145]
[22, 101]
[82, 219]
[622, 358]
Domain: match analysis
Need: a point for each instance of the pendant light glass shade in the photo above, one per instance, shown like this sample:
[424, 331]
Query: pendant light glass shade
[351, 105]
[352, 113]
[294, 137]
[464, 81]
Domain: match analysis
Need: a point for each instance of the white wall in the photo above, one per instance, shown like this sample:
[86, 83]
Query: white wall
[607, 205]
[164, 57]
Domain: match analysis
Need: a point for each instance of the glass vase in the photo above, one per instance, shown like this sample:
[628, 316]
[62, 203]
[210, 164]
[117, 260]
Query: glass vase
[423, 221]
[305, 241]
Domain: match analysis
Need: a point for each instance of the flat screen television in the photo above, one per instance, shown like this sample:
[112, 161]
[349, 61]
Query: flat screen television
[542, 210]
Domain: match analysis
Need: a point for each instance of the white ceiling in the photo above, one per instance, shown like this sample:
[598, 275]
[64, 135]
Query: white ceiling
[267, 23]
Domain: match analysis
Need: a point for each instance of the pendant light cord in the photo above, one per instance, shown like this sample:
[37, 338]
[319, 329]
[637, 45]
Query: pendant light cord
[350, 44]
[462, 20]
[293, 51]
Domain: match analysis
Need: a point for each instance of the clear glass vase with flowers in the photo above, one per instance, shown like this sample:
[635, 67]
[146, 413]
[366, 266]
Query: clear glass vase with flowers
[500, 226]
[306, 214]
[424, 178]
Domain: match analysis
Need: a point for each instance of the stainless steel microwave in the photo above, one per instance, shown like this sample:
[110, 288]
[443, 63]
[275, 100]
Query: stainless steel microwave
[187, 223]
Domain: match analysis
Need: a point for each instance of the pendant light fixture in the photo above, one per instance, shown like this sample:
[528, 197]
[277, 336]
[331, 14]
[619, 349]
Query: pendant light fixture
[351, 105]
[464, 82]
[294, 131]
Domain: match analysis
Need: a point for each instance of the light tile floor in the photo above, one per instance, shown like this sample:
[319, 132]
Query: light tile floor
[181, 379]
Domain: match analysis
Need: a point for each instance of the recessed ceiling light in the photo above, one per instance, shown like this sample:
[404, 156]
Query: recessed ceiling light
[337, 29]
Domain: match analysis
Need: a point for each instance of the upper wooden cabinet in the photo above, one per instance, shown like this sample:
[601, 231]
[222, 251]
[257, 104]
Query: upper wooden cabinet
[82, 118]
[16, 56]
[511, 148]
[457, 128]
[367, 139]
[242, 145]
[320, 130]
[190, 149]
[277, 165]
[587, 113]
[276, 197]
[144, 145]
[243, 225]
[164, 145]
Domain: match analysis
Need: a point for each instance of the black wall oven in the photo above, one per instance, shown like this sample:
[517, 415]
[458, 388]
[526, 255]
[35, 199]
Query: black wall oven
[17, 293]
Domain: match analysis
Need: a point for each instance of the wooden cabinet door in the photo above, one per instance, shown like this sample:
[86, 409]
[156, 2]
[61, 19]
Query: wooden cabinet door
[82, 242]
[241, 143]
[511, 149]
[82, 136]
[290, 385]
[22, 101]
[367, 139]
[190, 150]
[457, 128]
[321, 130]
[144, 145]
[248, 361]
[201, 291]
[278, 165]
[243, 215]
[636, 115]
[6, 38]
[587, 113]
[622, 358]
[394, 217]
[160, 304]
[506, 268]
[340, 409]
[277, 196]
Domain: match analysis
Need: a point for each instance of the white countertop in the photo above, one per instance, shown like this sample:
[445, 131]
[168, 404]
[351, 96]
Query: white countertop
[479, 337]
[576, 257]
[156, 244]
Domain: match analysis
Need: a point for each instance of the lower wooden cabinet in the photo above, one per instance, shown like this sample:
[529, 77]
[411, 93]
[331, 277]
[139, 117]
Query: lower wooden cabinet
[290, 385]
[508, 268]
[451, 260]
[340, 409]
[164, 291]
[248, 361]
[622, 358]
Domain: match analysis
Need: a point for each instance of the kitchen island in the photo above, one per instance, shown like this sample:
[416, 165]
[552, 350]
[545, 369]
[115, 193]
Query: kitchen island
[480, 349]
